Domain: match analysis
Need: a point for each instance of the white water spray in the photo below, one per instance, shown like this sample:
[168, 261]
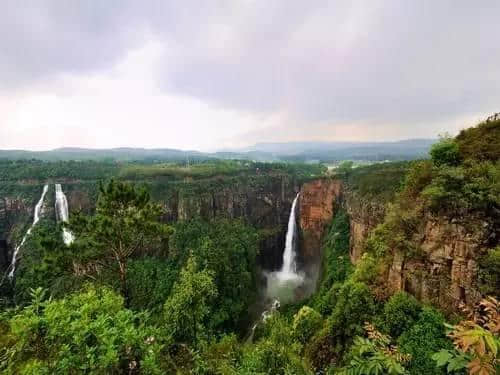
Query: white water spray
[282, 285]
[36, 217]
[62, 213]
[289, 268]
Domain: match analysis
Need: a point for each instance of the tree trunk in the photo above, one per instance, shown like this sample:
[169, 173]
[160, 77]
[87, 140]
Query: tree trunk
[123, 281]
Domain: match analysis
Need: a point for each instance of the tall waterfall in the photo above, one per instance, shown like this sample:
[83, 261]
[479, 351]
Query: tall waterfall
[36, 217]
[62, 213]
[289, 267]
[282, 284]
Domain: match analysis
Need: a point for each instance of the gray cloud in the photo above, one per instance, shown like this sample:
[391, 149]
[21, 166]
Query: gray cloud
[322, 62]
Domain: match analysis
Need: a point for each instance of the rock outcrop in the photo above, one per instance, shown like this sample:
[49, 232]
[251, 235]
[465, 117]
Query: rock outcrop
[445, 273]
[317, 203]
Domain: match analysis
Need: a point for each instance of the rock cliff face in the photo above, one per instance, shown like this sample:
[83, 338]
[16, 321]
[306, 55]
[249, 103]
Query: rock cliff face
[263, 201]
[446, 272]
[364, 216]
[317, 203]
[13, 212]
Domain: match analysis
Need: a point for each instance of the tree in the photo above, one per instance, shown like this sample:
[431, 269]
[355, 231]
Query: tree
[344, 168]
[476, 340]
[445, 152]
[400, 313]
[306, 323]
[189, 304]
[126, 223]
[87, 332]
[374, 355]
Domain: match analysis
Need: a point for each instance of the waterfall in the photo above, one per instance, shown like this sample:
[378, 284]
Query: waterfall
[36, 217]
[289, 267]
[62, 213]
[282, 285]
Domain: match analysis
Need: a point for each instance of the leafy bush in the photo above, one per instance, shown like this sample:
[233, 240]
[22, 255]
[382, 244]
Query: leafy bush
[489, 272]
[306, 323]
[374, 355]
[276, 354]
[481, 142]
[422, 340]
[445, 152]
[88, 332]
[400, 313]
[190, 303]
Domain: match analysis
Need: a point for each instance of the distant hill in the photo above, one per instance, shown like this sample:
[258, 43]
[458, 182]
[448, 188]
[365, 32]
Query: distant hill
[333, 151]
[288, 151]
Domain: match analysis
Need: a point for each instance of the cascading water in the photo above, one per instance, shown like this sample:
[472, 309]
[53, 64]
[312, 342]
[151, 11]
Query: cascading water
[289, 268]
[36, 217]
[62, 213]
[281, 285]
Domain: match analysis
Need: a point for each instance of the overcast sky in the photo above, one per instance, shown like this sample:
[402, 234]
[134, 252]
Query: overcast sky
[214, 74]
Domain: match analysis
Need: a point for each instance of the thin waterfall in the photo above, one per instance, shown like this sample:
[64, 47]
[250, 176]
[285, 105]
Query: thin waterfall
[62, 213]
[36, 217]
[289, 265]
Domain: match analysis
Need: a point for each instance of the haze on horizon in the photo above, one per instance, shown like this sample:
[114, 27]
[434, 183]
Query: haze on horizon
[226, 74]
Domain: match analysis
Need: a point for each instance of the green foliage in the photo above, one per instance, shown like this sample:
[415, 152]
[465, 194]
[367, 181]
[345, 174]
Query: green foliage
[400, 313]
[489, 272]
[377, 182]
[15, 170]
[306, 323]
[354, 305]
[150, 281]
[445, 152]
[472, 186]
[188, 306]
[336, 262]
[228, 248]
[87, 332]
[451, 361]
[44, 262]
[422, 340]
[481, 142]
[219, 357]
[372, 357]
[126, 224]
[276, 354]
[344, 169]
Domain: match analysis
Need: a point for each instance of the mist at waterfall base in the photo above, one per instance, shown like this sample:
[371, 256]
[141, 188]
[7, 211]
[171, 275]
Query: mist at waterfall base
[284, 284]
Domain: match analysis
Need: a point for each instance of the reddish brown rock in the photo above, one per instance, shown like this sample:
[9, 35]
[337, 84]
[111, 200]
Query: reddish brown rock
[316, 208]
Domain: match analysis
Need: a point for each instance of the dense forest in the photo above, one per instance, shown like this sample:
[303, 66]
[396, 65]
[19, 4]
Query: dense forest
[136, 294]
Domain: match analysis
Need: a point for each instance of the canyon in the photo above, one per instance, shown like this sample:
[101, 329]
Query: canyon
[444, 273]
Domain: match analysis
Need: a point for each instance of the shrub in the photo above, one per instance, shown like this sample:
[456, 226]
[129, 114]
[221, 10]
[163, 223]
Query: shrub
[445, 152]
[306, 323]
[86, 332]
[489, 272]
[424, 338]
[400, 313]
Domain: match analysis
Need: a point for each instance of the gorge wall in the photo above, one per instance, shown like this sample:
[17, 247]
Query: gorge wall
[443, 272]
[263, 201]
[317, 202]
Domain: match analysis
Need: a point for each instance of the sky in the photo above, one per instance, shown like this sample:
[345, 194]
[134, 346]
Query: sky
[210, 75]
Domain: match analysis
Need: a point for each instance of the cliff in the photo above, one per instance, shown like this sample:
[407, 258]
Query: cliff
[445, 272]
[263, 201]
[443, 269]
[317, 202]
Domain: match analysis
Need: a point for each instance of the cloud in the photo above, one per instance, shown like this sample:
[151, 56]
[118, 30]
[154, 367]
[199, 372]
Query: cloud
[286, 68]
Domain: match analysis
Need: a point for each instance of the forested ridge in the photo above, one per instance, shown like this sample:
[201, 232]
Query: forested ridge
[134, 294]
